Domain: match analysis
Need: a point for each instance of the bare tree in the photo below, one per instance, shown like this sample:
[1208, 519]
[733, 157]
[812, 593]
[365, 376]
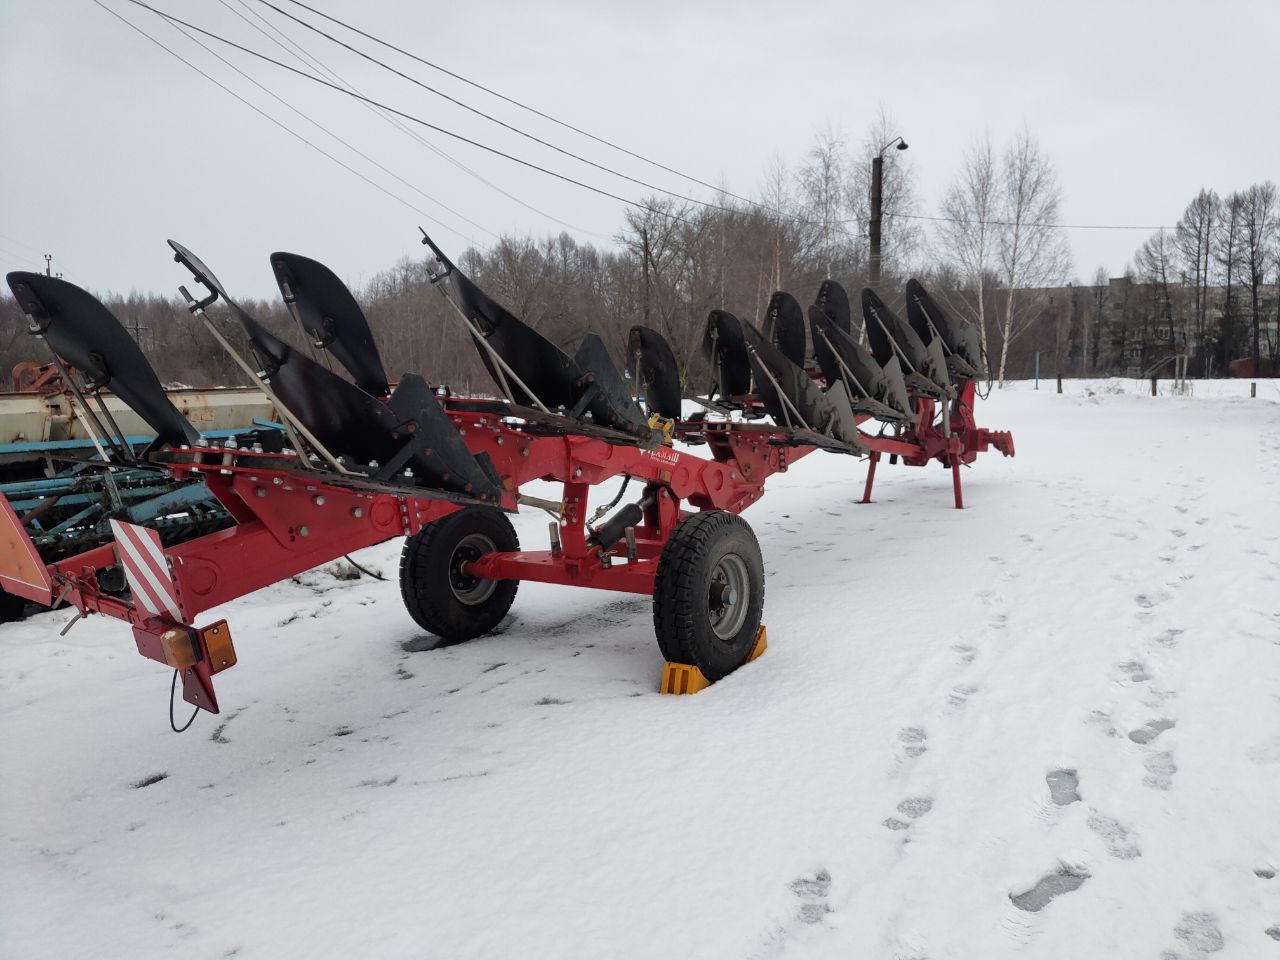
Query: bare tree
[1229, 244]
[1153, 263]
[1194, 239]
[1033, 252]
[778, 197]
[967, 233]
[824, 179]
[1258, 234]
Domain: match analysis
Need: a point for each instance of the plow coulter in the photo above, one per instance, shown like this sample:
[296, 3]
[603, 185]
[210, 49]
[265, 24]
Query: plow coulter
[355, 461]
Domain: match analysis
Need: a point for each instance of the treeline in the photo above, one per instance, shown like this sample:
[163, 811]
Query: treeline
[1207, 287]
[993, 254]
[671, 263]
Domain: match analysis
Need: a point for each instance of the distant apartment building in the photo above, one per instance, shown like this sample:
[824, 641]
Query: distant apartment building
[1130, 326]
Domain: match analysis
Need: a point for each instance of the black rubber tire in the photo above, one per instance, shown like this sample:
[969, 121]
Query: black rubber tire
[12, 608]
[703, 549]
[436, 593]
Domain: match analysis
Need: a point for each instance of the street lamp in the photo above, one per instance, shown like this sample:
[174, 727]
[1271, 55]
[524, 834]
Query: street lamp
[877, 172]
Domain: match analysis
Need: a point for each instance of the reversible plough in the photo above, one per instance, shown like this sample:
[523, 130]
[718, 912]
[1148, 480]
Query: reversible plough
[354, 462]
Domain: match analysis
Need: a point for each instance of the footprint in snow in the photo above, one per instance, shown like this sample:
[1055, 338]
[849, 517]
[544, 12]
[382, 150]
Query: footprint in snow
[1266, 752]
[1160, 770]
[912, 808]
[1150, 730]
[1064, 790]
[960, 695]
[1133, 671]
[1049, 888]
[913, 741]
[966, 653]
[1199, 936]
[1169, 638]
[1146, 604]
[1064, 786]
[1120, 843]
[812, 893]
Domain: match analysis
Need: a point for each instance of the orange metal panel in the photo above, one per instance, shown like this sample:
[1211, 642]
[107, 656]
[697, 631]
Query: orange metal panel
[22, 573]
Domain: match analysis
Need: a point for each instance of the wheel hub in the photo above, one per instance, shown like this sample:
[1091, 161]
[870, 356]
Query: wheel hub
[469, 589]
[728, 596]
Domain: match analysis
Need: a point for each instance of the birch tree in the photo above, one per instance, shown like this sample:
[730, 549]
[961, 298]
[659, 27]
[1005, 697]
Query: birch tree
[824, 180]
[968, 234]
[1032, 250]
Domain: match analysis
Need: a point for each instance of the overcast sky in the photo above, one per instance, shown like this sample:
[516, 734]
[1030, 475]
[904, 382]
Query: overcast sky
[109, 145]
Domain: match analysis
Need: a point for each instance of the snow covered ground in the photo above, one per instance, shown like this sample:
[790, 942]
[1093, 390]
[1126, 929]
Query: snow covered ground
[1045, 726]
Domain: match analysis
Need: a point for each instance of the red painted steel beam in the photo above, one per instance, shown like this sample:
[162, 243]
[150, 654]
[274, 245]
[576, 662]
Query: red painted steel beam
[545, 567]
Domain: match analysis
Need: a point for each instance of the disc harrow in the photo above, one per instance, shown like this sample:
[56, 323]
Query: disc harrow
[357, 461]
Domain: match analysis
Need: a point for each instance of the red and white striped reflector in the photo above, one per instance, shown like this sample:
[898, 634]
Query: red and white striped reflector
[146, 570]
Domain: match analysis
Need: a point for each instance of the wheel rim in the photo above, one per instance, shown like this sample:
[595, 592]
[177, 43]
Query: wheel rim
[728, 596]
[468, 589]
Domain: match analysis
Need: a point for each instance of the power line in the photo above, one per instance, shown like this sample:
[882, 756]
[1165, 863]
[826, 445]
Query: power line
[546, 116]
[350, 146]
[500, 96]
[480, 113]
[544, 170]
[486, 116]
[20, 257]
[20, 243]
[306, 58]
[407, 116]
[279, 124]
[1025, 223]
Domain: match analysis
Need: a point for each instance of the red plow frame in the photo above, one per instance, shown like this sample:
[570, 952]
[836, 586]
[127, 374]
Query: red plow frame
[453, 467]
[290, 519]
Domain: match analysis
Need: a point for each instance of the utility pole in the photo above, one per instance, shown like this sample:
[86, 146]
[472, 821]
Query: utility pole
[138, 329]
[877, 194]
[48, 264]
[877, 174]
